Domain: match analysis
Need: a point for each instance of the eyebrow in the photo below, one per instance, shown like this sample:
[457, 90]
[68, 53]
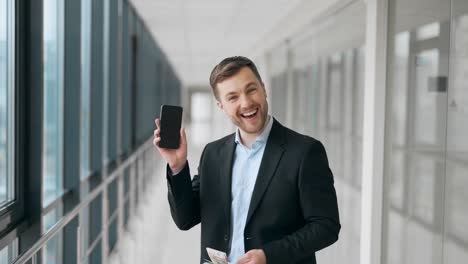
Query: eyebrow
[249, 84]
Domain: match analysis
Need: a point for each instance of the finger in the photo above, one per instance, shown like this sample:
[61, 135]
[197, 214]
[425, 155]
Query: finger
[183, 137]
[156, 132]
[243, 260]
[157, 122]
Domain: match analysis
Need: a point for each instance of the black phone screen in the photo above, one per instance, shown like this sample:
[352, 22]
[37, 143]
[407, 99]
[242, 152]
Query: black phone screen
[171, 121]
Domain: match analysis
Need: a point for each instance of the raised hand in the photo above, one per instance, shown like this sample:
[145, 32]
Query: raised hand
[176, 158]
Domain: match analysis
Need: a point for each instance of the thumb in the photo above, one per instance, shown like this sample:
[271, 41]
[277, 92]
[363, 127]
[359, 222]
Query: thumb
[183, 137]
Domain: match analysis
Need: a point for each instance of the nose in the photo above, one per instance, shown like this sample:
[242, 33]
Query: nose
[245, 102]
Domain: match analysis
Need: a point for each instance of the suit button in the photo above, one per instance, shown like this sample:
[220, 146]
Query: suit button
[226, 237]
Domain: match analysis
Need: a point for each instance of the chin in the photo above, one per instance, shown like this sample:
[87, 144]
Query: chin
[253, 130]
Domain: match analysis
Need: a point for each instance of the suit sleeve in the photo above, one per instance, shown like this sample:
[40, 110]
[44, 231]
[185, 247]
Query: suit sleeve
[320, 209]
[184, 197]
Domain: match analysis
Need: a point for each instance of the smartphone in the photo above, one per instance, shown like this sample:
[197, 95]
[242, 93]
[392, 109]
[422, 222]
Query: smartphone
[171, 121]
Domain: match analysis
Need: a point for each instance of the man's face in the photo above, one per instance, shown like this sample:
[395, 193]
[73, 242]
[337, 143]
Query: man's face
[243, 98]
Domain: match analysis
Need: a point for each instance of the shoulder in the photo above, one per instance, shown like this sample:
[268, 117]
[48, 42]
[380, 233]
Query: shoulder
[218, 144]
[296, 140]
[306, 149]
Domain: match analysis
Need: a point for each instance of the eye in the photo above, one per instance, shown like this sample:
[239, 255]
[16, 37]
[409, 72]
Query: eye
[232, 98]
[251, 90]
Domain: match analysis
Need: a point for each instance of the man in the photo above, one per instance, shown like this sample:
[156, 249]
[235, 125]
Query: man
[265, 193]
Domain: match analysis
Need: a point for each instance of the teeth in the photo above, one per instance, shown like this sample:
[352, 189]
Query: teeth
[250, 113]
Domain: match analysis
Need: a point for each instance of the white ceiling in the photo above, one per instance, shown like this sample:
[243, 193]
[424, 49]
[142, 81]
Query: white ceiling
[196, 35]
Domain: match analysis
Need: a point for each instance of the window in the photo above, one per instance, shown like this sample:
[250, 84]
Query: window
[53, 250]
[416, 127]
[53, 100]
[9, 253]
[85, 86]
[105, 101]
[7, 190]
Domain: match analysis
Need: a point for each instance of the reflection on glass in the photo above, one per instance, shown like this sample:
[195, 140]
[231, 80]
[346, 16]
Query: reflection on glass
[6, 100]
[105, 103]
[457, 196]
[397, 181]
[343, 139]
[53, 99]
[9, 253]
[85, 86]
[415, 161]
[3, 101]
[423, 174]
[51, 218]
[52, 253]
[200, 107]
[314, 99]
[428, 31]
[399, 83]
[458, 95]
[456, 212]
[334, 87]
[278, 95]
[427, 110]
[358, 117]
[331, 77]
[84, 231]
[53, 250]
[335, 90]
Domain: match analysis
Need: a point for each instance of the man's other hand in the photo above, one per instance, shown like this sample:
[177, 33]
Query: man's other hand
[254, 256]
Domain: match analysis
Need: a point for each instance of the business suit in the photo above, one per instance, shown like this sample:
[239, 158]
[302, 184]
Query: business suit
[293, 211]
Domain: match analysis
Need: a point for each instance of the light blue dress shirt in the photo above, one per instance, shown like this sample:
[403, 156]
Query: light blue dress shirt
[244, 174]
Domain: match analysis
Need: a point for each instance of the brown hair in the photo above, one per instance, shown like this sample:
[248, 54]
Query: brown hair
[229, 67]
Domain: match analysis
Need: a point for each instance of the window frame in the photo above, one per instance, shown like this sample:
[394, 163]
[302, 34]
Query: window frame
[12, 212]
[10, 107]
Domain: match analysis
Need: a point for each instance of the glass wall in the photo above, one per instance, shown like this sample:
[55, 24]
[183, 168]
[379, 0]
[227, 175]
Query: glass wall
[278, 82]
[7, 48]
[326, 74]
[85, 87]
[68, 95]
[456, 212]
[9, 253]
[53, 250]
[3, 101]
[113, 77]
[8, 175]
[201, 119]
[53, 100]
[105, 83]
[427, 149]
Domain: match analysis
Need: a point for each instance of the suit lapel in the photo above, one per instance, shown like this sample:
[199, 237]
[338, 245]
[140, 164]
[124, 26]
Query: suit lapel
[270, 160]
[227, 157]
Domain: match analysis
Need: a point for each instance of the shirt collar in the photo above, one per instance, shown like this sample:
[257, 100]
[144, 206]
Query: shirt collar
[262, 138]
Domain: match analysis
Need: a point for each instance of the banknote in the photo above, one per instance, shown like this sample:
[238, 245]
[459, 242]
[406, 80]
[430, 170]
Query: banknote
[216, 256]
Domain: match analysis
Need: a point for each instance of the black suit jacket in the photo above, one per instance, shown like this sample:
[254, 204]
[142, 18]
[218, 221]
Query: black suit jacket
[293, 211]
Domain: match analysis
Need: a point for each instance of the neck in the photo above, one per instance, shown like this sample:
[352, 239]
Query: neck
[247, 139]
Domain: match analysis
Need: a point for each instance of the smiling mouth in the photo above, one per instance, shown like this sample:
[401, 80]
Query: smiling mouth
[249, 115]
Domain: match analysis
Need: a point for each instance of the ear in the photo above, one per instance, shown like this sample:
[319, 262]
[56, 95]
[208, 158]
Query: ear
[264, 90]
[220, 105]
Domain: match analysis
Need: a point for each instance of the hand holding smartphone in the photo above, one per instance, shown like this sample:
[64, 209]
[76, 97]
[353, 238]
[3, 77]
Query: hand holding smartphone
[170, 139]
[171, 122]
